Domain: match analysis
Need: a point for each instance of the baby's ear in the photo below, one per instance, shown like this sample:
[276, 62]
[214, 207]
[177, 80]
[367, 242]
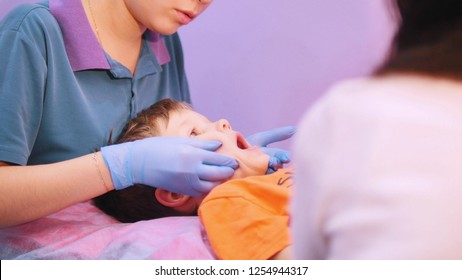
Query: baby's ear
[171, 199]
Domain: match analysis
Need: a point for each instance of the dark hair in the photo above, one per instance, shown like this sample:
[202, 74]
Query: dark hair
[428, 40]
[138, 202]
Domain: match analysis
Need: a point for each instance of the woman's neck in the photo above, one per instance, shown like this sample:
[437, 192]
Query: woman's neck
[119, 34]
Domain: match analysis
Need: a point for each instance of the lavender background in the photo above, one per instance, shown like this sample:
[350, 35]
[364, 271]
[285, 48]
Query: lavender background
[261, 63]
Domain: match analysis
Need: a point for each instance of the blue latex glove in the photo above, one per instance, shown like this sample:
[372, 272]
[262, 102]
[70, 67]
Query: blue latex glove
[182, 165]
[278, 157]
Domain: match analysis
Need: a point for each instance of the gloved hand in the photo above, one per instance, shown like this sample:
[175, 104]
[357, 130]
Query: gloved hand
[182, 165]
[278, 157]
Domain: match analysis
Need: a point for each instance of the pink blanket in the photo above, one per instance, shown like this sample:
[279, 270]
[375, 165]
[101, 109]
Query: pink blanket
[82, 231]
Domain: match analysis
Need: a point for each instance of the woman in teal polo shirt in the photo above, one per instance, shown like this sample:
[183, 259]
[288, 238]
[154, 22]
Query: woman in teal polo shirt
[73, 73]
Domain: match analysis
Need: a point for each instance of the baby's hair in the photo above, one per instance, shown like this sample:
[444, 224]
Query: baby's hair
[138, 202]
[147, 123]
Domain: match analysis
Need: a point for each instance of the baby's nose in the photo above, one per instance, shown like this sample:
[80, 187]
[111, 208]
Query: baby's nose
[223, 125]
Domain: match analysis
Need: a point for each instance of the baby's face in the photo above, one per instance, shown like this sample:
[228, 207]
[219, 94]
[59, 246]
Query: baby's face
[186, 123]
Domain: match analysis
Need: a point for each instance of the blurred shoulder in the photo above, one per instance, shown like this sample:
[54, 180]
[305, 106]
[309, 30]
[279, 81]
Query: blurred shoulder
[375, 95]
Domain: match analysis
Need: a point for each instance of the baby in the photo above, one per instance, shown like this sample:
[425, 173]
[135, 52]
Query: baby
[226, 210]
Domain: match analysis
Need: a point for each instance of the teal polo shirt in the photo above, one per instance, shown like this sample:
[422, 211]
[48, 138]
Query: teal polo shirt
[61, 95]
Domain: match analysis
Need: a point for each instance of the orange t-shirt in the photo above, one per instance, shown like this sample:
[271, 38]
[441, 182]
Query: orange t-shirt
[248, 218]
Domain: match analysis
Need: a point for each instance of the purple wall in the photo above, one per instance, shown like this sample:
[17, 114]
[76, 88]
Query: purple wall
[261, 63]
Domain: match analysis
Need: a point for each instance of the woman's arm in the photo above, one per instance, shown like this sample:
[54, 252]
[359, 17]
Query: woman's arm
[31, 192]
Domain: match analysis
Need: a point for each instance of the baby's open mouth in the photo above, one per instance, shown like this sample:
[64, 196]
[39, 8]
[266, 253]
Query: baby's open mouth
[241, 142]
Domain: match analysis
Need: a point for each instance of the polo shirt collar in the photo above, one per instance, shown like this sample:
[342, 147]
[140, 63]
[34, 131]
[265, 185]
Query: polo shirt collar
[82, 46]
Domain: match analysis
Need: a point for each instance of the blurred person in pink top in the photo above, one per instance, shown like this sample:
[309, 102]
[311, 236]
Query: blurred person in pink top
[380, 178]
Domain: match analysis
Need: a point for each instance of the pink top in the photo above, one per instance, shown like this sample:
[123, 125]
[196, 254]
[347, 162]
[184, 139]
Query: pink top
[379, 171]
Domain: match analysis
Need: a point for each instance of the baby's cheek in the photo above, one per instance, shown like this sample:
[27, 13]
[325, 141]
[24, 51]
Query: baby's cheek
[226, 149]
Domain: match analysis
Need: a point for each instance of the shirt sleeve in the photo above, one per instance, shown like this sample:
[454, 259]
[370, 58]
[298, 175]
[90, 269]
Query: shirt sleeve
[22, 84]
